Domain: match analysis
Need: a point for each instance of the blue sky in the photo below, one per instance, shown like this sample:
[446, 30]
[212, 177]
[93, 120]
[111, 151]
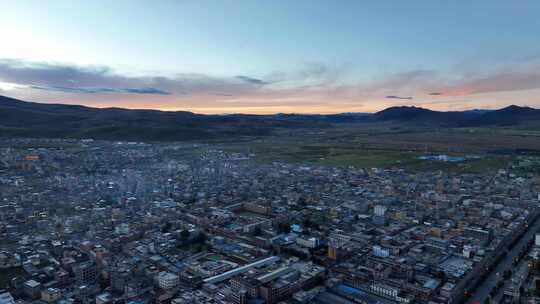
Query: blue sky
[272, 56]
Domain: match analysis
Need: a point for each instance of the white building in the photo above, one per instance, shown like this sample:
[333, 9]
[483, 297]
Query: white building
[385, 290]
[122, 229]
[311, 242]
[467, 251]
[380, 252]
[51, 295]
[167, 280]
[6, 298]
[338, 240]
[104, 298]
[389, 292]
[379, 210]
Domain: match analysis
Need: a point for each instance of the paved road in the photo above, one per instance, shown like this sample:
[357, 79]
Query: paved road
[522, 266]
[482, 292]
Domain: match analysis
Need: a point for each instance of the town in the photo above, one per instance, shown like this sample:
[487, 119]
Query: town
[84, 221]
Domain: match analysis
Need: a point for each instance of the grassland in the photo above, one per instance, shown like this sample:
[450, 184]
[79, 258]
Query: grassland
[380, 145]
[386, 146]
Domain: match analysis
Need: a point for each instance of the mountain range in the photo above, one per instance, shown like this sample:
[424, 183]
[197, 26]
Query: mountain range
[29, 119]
[511, 115]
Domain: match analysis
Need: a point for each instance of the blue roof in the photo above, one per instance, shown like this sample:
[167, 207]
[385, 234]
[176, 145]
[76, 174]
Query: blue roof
[296, 228]
[346, 290]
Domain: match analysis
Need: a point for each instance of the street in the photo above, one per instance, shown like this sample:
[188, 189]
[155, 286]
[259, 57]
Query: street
[482, 292]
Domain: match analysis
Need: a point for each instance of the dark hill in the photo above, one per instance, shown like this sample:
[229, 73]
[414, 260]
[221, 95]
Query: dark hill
[403, 113]
[511, 115]
[29, 119]
[425, 117]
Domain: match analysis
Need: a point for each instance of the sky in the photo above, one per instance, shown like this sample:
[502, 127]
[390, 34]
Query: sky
[302, 56]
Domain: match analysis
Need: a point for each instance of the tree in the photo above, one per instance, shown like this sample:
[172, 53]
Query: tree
[59, 227]
[284, 228]
[166, 228]
[184, 234]
[200, 238]
[441, 275]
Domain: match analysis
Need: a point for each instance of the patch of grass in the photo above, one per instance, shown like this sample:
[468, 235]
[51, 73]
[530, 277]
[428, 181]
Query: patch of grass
[384, 146]
[485, 164]
[365, 160]
[482, 165]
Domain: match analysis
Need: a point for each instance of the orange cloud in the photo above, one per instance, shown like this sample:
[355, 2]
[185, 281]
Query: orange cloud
[317, 89]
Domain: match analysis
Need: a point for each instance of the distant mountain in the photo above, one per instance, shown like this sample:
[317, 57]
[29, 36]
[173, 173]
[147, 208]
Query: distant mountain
[478, 111]
[421, 116]
[403, 113]
[28, 119]
[512, 115]
[327, 118]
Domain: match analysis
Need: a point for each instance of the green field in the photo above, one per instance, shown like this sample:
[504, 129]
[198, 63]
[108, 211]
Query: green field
[386, 146]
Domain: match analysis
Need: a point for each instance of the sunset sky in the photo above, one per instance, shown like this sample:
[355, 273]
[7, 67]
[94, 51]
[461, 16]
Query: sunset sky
[230, 56]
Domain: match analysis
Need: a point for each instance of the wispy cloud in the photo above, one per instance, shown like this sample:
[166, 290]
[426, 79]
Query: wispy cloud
[251, 80]
[150, 91]
[397, 97]
[498, 81]
[103, 80]
[146, 91]
[310, 75]
[313, 86]
[311, 78]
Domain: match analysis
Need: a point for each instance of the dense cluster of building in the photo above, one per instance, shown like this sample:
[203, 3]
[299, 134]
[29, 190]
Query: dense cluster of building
[118, 222]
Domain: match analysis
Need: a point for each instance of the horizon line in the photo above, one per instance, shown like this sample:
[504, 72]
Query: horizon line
[261, 114]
